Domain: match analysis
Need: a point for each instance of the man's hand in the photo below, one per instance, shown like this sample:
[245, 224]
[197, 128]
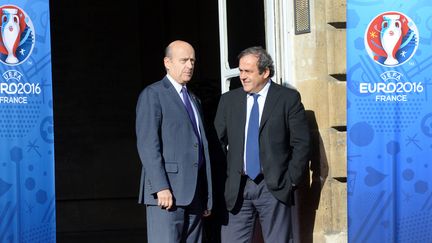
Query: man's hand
[165, 199]
[206, 213]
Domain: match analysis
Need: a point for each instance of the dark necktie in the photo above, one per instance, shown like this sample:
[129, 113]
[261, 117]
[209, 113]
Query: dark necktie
[253, 167]
[192, 118]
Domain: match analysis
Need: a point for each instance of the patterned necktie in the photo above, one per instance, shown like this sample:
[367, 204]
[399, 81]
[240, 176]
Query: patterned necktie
[253, 167]
[192, 118]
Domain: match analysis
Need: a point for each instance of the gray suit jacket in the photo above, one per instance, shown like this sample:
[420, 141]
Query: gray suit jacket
[168, 146]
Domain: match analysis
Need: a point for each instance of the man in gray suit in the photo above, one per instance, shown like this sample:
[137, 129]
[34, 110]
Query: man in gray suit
[176, 179]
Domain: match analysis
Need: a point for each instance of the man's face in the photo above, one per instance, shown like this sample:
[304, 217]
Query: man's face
[251, 79]
[180, 64]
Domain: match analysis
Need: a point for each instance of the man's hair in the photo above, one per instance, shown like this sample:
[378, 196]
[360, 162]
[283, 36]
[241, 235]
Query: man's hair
[168, 51]
[264, 59]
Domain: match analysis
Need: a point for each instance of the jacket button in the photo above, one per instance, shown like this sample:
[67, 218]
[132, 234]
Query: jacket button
[195, 164]
[196, 145]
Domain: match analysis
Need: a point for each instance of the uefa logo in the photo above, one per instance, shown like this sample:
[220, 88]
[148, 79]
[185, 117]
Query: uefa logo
[391, 39]
[17, 35]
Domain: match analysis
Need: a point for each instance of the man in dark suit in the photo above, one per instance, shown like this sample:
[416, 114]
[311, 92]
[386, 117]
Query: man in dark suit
[263, 129]
[176, 178]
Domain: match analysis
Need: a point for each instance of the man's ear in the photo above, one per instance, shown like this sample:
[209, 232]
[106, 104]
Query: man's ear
[167, 62]
[266, 73]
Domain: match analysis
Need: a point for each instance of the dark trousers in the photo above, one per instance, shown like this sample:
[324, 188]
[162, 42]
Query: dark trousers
[257, 201]
[181, 224]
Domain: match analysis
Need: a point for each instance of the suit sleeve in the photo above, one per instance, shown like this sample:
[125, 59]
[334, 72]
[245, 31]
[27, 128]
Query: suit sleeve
[148, 127]
[220, 124]
[299, 140]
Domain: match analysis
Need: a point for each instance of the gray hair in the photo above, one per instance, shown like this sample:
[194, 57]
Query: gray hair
[264, 59]
[168, 52]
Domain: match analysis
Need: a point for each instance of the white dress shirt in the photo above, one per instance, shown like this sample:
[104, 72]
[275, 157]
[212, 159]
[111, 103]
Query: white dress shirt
[249, 103]
[178, 87]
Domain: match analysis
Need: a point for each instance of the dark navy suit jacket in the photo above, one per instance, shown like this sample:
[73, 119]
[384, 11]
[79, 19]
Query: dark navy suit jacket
[283, 138]
[168, 146]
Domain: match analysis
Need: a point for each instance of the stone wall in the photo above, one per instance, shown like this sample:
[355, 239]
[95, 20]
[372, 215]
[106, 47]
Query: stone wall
[320, 75]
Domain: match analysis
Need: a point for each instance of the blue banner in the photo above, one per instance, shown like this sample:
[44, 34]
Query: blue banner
[27, 195]
[389, 124]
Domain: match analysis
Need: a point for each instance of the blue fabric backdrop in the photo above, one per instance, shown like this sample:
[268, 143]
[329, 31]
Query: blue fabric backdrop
[27, 195]
[389, 124]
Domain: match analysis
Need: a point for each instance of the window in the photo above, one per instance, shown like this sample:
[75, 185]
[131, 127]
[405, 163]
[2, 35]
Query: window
[246, 27]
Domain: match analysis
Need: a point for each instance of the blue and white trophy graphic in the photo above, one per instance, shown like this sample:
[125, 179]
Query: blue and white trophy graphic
[391, 33]
[10, 31]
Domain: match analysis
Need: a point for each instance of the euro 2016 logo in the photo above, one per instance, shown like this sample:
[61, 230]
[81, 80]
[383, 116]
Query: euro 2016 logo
[17, 35]
[391, 39]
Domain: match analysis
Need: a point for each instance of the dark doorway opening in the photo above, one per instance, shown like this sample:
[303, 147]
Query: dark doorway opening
[103, 55]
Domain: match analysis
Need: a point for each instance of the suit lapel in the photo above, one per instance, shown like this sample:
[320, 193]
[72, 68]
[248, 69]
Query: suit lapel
[175, 98]
[199, 111]
[240, 113]
[270, 103]
[195, 102]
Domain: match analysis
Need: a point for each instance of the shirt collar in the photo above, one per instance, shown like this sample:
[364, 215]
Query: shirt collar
[263, 92]
[178, 87]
